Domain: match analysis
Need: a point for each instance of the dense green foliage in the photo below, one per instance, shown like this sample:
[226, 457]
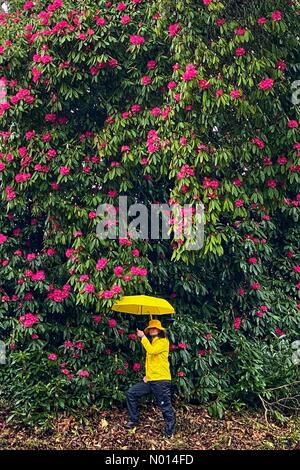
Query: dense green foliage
[187, 101]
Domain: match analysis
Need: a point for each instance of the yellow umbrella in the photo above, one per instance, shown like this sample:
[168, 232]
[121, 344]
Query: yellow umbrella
[143, 305]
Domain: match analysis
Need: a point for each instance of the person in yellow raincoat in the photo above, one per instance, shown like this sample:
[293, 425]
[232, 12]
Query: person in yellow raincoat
[157, 379]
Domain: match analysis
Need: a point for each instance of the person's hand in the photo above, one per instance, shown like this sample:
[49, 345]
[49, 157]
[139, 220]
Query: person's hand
[140, 333]
[145, 380]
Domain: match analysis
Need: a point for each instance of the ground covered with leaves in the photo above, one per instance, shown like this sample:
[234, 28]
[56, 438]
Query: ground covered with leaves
[196, 430]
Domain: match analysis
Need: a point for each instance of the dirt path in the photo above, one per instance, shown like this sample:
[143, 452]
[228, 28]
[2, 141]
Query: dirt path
[195, 431]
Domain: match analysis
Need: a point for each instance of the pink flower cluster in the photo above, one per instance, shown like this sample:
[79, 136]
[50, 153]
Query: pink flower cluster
[153, 142]
[3, 238]
[210, 183]
[108, 294]
[136, 40]
[59, 295]
[258, 142]
[174, 29]
[22, 94]
[37, 276]
[28, 320]
[83, 373]
[10, 193]
[266, 84]
[136, 271]
[42, 59]
[137, 367]
[22, 177]
[190, 73]
[185, 171]
[101, 263]
[52, 357]
[55, 5]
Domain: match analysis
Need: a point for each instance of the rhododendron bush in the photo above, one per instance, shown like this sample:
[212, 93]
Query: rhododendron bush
[173, 102]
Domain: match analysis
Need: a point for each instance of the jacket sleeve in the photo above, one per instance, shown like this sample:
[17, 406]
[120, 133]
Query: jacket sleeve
[158, 347]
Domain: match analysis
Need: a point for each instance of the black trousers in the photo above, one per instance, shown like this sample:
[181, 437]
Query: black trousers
[161, 389]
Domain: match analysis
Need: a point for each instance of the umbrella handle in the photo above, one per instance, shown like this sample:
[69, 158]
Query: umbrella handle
[142, 312]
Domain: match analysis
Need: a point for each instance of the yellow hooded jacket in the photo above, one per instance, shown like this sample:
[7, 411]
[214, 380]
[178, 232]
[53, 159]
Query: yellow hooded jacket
[157, 363]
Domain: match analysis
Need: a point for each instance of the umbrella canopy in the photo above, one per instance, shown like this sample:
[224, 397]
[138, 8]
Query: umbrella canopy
[143, 305]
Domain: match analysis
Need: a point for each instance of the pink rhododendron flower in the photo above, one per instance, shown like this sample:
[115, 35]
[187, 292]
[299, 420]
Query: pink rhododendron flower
[146, 80]
[235, 94]
[190, 73]
[138, 271]
[137, 367]
[240, 51]
[174, 29]
[220, 21]
[118, 270]
[28, 320]
[83, 373]
[255, 285]
[239, 203]
[97, 318]
[116, 289]
[52, 357]
[282, 160]
[240, 31]
[38, 276]
[100, 21]
[271, 183]
[151, 64]
[125, 19]
[258, 142]
[22, 177]
[89, 288]
[281, 65]
[262, 20]
[101, 263]
[135, 39]
[266, 84]
[69, 252]
[276, 15]
[3, 238]
[121, 6]
[204, 84]
[64, 170]
[112, 323]
[132, 336]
